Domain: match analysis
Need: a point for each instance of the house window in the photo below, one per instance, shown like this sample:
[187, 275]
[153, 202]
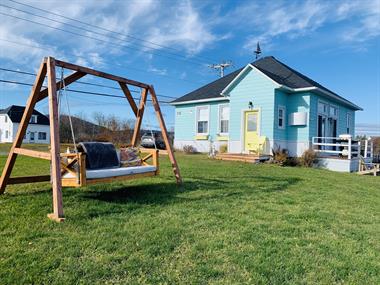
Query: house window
[42, 136]
[348, 123]
[281, 117]
[224, 116]
[323, 108]
[33, 119]
[202, 119]
[6, 134]
[333, 112]
[6, 118]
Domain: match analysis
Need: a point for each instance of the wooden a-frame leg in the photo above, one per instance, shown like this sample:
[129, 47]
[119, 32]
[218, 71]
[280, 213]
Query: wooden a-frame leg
[165, 136]
[139, 117]
[57, 214]
[33, 97]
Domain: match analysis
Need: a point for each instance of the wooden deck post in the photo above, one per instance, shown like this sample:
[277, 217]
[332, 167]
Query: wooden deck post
[57, 214]
[139, 117]
[349, 148]
[165, 136]
[33, 97]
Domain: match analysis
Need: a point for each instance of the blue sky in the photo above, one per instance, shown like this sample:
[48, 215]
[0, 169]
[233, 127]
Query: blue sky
[170, 44]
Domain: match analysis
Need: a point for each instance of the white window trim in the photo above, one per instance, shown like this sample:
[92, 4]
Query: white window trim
[208, 119]
[219, 119]
[283, 108]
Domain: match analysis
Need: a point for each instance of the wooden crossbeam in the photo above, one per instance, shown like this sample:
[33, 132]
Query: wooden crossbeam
[33, 153]
[65, 82]
[128, 94]
[28, 179]
[99, 73]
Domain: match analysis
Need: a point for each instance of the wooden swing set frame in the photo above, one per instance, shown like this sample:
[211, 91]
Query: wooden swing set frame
[62, 163]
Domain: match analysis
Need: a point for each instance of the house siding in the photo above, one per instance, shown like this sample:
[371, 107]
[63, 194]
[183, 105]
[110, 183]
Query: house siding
[185, 125]
[255, 87]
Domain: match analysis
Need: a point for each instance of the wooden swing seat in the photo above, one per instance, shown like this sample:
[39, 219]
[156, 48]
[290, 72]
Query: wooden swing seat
[70, 176]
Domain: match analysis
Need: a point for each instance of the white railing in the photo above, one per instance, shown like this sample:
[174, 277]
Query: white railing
[343, 146]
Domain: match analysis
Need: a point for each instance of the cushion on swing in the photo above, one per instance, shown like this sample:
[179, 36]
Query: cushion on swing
[114, 172]
[130, 156]
[99, 155]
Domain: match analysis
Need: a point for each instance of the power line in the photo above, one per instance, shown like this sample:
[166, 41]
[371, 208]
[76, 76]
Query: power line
[77, 56]
[80, 91]
[104, 29]
[81, 82]
[91, 31]
[94, 38]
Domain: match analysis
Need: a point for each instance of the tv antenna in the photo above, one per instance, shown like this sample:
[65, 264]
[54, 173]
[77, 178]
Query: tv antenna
[221, 66]
[258, 50]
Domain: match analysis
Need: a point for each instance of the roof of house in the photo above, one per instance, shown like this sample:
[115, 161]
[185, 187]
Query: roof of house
[211, 90]
[15, 114]
[270, 66]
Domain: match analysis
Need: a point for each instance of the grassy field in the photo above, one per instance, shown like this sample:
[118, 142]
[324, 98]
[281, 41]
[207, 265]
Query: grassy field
[232, 223]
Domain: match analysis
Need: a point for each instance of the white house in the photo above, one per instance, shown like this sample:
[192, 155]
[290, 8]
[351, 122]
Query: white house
[38, 130]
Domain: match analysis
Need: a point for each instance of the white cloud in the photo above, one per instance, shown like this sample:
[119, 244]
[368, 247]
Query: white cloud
[355, 21]
[175, 24]
[185, 28]
[157, 70]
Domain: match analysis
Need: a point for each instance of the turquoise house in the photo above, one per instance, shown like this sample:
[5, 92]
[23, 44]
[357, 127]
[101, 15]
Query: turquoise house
[265, 104]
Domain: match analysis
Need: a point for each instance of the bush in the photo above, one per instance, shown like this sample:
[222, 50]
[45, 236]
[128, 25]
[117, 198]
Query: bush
[223, 148]
[308, 158]
[189, 149]
[292, 161]
[280, 155]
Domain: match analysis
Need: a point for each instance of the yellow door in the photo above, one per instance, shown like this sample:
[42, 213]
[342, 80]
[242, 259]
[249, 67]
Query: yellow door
[251, 130]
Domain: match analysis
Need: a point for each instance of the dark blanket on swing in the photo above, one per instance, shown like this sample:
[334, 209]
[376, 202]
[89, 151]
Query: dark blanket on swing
[99, 155]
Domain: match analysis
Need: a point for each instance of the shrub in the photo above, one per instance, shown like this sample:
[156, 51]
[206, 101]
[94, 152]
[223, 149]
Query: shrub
[223, 148]
[308, 158]
[189, 149]
[292, 161]
[280, 155]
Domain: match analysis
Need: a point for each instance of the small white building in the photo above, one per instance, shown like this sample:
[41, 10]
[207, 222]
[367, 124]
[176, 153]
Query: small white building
[38, 130]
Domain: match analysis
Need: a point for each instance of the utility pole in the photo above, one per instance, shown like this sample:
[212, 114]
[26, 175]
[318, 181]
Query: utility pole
[221, 66]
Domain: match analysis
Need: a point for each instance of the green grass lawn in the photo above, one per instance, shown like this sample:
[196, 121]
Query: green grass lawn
[232, 223]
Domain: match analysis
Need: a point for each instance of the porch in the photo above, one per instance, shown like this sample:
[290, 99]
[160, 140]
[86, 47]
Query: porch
[250, 158]
[343, 153]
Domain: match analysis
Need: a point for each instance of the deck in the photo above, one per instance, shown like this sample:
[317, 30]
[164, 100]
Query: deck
[249, 158]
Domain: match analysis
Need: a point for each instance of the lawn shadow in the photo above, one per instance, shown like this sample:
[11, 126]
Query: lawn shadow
[169, 192]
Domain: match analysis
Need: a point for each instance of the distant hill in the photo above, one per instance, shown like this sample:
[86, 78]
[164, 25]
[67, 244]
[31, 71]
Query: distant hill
[88, 131]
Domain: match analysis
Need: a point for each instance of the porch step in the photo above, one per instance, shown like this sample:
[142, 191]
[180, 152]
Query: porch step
[239, 157]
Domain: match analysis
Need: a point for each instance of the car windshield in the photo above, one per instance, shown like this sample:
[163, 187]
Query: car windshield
[149, 134]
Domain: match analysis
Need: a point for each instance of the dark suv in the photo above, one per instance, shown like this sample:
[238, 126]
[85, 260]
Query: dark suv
[150, 138]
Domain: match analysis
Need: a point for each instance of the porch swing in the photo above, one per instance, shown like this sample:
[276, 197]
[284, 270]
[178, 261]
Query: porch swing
[99, 162]
[77, 169]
